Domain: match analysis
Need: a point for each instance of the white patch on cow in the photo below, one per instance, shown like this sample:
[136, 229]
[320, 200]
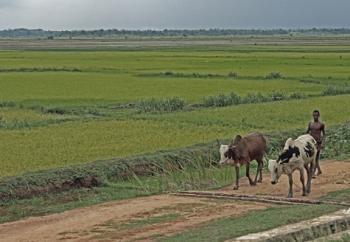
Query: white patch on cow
[289, 142]
[275, 170]
[272, 165]
[223, 150]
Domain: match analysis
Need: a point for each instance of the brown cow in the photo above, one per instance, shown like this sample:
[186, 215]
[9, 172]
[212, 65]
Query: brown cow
[242, 151]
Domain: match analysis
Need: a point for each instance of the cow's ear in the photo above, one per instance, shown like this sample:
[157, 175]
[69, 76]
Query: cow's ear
[237, 139]
[231, 152]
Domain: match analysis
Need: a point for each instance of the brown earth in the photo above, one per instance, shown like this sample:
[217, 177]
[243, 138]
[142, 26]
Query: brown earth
[336, 176]
[148, 217]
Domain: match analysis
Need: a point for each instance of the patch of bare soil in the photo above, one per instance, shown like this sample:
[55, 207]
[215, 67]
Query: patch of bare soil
[336, 176]
[148, 217]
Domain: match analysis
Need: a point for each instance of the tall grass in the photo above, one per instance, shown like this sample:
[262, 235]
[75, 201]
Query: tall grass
[232, 98]
[332, 90]
[273, 75]
[160, 105]
[222, 100]
[183, 169]
[40, 69]
[7, 104]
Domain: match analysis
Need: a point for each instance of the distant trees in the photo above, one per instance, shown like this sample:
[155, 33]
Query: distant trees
[40, 33]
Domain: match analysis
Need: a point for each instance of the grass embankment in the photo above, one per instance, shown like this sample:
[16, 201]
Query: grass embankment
[83, 141]
[194, 168]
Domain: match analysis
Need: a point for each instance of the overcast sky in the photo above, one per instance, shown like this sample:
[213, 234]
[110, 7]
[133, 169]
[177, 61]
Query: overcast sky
[160, 14]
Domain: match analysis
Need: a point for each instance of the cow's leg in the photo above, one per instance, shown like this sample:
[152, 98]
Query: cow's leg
[290, 177]
[251, 182]
[258, 169]
[310, 172]
[261, 163]
[302, 180]
[257, 172]
[237, 178]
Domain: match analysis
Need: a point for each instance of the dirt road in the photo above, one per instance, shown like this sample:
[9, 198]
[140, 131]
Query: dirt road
[148, 217]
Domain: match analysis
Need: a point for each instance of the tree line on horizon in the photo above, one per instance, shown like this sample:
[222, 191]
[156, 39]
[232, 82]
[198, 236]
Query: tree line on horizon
[51, 34]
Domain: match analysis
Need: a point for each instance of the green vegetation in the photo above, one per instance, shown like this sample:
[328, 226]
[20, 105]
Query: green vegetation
[257, 221]
[336, 90]
[190, 168]
[162, 105]
[253, 222]
[72, 109]
[84, 140]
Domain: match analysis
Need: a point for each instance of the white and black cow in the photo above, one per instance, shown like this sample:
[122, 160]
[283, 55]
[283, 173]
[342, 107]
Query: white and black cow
[297, 154]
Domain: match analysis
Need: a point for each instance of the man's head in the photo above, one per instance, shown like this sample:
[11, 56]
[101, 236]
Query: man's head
[316, 115]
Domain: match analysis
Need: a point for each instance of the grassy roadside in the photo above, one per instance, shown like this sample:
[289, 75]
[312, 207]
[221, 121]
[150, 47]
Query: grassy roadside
[101, 172]
[200, 173]
[228, 228]
[256, 221]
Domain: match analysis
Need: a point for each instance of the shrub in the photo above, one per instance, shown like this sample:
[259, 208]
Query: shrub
[297, 95]
[232, 74]
[222, 100]
[274, 75]
[310, 81]
[168, 73]
[277, 96]
[335, 90]
[161, 105]
[5, 104]
[256, 98]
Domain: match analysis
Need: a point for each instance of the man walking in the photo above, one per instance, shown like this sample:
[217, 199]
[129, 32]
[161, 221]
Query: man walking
[317, 130]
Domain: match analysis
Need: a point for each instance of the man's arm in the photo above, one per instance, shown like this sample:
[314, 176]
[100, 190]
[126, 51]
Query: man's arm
[323, 130]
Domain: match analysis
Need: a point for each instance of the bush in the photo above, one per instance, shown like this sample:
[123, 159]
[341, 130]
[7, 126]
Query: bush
[9, 104]
[232, 74]
[277, 96]
[274, 75]
[297, 95]
[310, 81]
[160, 105]
[168, 73]
[222, 100]
[335, 90]
[256, 98]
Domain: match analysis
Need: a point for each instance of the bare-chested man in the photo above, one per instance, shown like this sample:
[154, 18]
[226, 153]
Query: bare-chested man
[317, 130]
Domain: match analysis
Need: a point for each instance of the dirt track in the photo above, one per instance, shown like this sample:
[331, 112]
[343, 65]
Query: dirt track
[144, 218]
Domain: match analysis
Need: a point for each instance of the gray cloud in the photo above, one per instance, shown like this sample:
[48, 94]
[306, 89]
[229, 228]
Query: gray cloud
[159, 14]
[7, 3]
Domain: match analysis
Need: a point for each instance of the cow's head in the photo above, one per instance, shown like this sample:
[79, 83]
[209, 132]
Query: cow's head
[276, 171]
[228, 154]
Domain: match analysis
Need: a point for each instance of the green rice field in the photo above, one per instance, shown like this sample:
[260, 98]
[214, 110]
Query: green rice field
[59, 108]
